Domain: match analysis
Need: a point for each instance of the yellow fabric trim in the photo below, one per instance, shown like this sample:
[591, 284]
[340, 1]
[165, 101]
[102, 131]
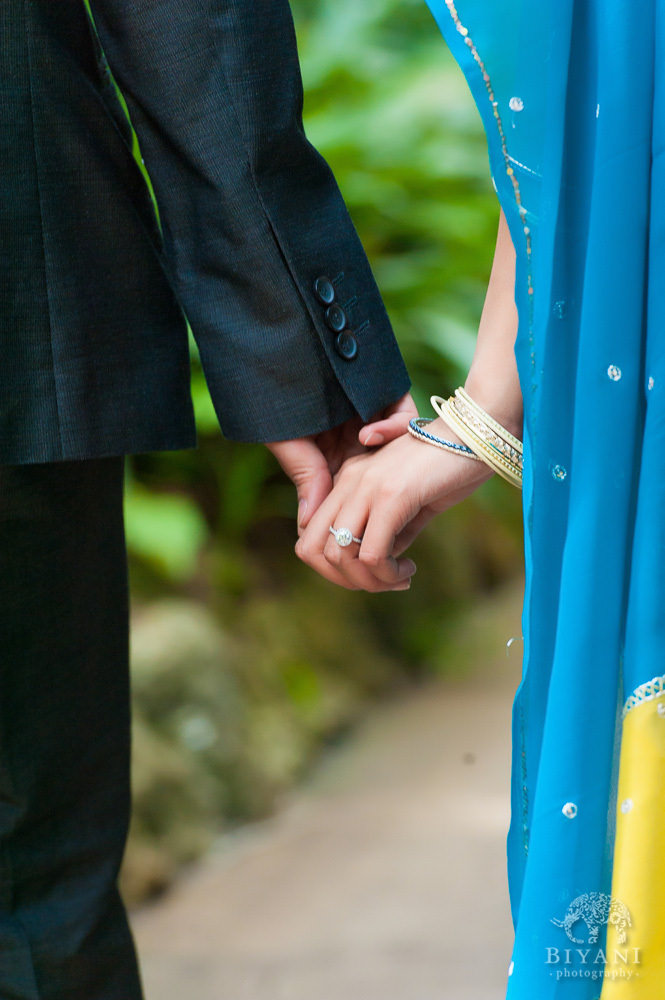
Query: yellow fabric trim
[638, 878]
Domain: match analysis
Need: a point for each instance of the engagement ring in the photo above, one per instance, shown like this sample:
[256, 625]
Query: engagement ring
[343, 536]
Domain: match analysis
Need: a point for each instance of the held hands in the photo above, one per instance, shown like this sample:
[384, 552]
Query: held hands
[312, 462]
[385, 497]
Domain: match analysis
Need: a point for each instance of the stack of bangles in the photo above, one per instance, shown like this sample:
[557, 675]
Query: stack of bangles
[484, 439]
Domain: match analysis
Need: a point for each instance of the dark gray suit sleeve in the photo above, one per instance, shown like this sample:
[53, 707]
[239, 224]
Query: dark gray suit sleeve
[251, 216]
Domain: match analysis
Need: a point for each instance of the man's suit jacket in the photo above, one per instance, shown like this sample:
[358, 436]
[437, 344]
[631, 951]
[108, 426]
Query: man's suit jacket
[255, 248]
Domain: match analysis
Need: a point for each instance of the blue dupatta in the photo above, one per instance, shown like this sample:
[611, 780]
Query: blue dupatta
[574, 112]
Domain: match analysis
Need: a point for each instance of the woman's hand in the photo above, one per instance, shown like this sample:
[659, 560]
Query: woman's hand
[386, 497]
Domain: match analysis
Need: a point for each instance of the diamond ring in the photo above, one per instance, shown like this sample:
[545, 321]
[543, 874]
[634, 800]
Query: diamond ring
[343, 536]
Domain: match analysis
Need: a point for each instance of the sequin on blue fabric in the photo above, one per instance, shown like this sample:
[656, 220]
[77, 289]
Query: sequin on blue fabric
[558, 472]
[516, 104]
[569, 810]
[650, 383]
[614, 372]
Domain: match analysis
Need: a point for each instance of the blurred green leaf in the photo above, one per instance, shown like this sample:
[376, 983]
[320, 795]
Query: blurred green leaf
[166, 530]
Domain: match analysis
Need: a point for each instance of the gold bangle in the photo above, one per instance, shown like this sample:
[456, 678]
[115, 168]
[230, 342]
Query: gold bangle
[515, 442]
[495, 435]
[495, 453]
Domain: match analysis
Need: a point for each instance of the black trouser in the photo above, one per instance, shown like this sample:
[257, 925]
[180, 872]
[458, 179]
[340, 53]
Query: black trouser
[64, 733]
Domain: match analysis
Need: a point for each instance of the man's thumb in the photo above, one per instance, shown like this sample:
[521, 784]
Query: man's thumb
[307, 468]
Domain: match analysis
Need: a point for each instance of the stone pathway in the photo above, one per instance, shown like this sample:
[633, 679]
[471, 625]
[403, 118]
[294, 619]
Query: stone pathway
[383, 878]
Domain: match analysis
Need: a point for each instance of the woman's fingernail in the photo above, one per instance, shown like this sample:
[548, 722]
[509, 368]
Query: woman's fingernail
[373, 439]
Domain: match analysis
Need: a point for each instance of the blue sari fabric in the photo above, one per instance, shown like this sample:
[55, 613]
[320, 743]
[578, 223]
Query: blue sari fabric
[575, 118]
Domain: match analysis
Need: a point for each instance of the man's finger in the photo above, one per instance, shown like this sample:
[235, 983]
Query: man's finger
[391, 424]
[383, 431]
[307, 468]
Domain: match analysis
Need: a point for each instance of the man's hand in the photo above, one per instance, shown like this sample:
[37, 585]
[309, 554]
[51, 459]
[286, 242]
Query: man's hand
[313, 462]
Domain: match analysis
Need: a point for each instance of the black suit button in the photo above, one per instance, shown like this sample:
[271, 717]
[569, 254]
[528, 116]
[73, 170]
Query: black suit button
[324, 290]
[335, 318]
[346, 345]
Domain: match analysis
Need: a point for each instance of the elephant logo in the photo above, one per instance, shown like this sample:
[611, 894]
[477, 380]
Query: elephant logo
[595, 909]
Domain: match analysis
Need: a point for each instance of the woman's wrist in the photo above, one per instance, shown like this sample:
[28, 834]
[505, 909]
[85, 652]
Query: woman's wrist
[501, 399]
[439, 428]
[493, 379]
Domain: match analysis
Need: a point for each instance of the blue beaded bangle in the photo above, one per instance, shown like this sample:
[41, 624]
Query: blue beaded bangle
[416, 429]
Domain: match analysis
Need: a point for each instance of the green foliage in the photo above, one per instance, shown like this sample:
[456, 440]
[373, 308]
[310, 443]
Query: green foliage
[165, 530]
